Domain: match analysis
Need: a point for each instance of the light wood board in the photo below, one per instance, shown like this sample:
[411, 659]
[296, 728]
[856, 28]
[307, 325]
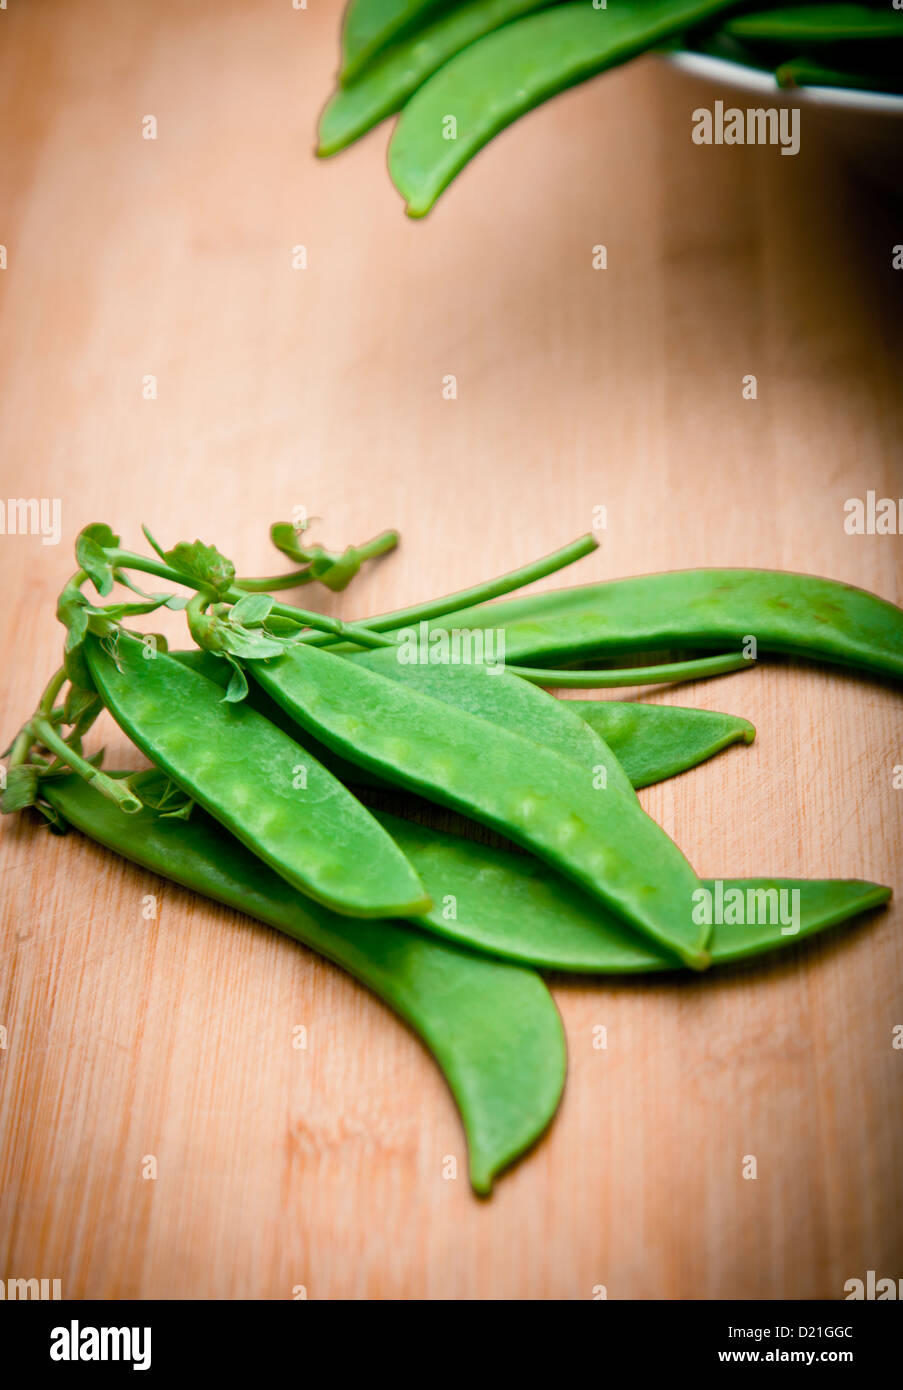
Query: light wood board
[322, 388]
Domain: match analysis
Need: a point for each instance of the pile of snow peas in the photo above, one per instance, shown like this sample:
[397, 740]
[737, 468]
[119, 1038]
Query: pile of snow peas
[460, 71]
[273, 739]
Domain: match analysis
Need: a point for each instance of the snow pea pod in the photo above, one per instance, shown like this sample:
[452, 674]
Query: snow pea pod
[558, 808]
[808, 72]
[502, 699]
[261, 784]
[531, 711]
[371, 25]
[510, 905]
[798, 614]
[500, 77]
[395, 73]
[653, 742]
[816, 24]
[492, 1027]
[650, 742]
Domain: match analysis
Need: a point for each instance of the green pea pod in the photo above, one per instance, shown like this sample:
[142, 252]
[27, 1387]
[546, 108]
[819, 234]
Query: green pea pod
[817, 24]
[510, 905]
[371, 25]
[809, 72]
[531, 711]
[797, 614]
[650, 742]
[493, 1028]
[394, 74]
[493, 695]
[560, 809]
[654, 742]
[260, 783]
[500, 77]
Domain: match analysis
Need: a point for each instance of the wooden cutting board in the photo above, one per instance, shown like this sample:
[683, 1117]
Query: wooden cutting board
[171, 1036]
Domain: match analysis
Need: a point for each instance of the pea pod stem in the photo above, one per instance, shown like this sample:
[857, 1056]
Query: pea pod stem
[42, 729]
[51, 690]
[693, 670]
[478, 593]
[119, 792]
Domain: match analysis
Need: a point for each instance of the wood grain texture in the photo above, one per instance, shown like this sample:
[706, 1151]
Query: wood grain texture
[278, 388]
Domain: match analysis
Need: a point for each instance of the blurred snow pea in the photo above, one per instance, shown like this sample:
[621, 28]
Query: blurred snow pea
[508, 72]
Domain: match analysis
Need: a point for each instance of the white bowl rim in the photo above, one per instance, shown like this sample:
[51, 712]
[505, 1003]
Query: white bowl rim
[755, 80]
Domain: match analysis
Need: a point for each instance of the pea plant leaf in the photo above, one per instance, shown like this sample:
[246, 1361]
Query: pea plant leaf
[251, 644]
[159, 793]
[202, 565]
[91, 548]
[277, 625]
[21, 789]
[237, 689]
[174, 601]
[55, 822]
[252, 610]
[76, 667]
[76, 620]
[81, 708]
[114, 612]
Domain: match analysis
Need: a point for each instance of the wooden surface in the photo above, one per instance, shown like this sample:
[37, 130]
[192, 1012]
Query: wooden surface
[279, 388]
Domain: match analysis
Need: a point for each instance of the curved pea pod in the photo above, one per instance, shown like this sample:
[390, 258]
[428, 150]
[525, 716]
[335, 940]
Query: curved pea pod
[560, 809]
[370, 26]
[653, 742]
[510, 905]
[502, 76]
[396, 72]
[260, 783]
[798, 614]
[493, 1028]
[649, 742]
